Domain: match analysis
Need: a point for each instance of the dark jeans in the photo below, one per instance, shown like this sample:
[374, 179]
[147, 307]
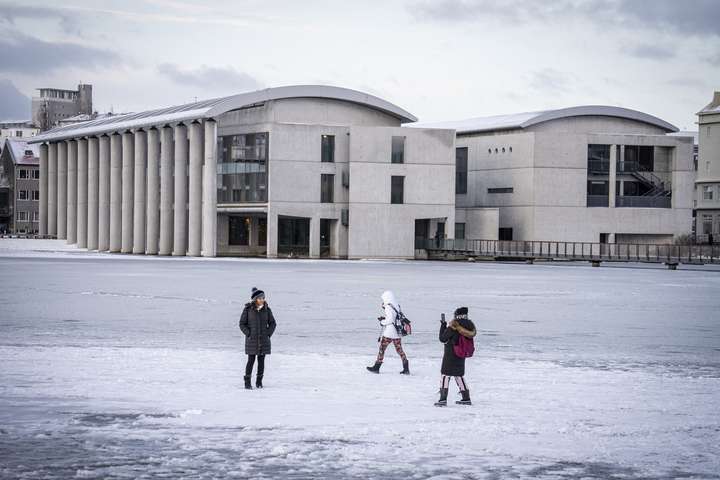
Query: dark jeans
[251, 363]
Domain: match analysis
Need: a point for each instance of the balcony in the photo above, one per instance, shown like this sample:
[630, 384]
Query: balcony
[598, 201]
[643, 202]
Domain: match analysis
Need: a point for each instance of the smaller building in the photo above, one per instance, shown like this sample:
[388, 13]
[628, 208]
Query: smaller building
[17, 129]
[707, 183]
[53, 105]
[19, 187]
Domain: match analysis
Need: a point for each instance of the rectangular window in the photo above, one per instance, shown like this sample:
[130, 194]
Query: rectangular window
[707, 192]
[461, 170]
[459, 231]
[22, 216]
[242, 168]
[327, 188]
[397, 189]
[500, 190]
[707, 224]
[36, 217]
[36, 174]
[598, 158]
[22, 195]
[328, 148]
[505, 234]
[36, 195]
[18, 133]
[22, 173]
[239, 231]
[398, 150]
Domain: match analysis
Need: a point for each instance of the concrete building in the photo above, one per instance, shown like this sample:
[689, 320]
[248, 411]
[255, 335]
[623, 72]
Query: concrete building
[312, 171]
[21, 129]
[583, 174]
[52, 105]
[19, 187]
[708, 173]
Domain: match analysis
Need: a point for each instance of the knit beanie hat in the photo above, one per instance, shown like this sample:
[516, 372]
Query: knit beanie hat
[461, 313]
[256, 294]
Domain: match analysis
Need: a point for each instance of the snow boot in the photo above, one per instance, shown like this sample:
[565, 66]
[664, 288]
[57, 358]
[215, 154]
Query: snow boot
[248, 386]
[465, 398]
[375, 368]
[258, 382]
[406, 368]
[443, 398]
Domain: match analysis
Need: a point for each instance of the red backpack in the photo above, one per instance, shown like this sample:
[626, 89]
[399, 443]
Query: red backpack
[465, 347]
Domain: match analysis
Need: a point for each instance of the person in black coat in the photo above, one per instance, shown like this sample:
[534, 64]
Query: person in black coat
[258, 325]
[452, 365]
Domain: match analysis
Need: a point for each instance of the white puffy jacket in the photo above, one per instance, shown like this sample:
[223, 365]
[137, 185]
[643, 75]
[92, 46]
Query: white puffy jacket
[388, 299]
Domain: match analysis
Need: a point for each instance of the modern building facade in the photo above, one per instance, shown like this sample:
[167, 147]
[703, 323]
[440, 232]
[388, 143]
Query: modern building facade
[581, 174]
[19, 187]
[311, 171]
[53, 105]
[708, 173]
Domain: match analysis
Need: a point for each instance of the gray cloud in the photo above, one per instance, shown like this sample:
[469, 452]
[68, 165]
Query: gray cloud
[218, 79]
[549, 80]
[650, 52]
[700, 17]
[10, 13]
[20, 53]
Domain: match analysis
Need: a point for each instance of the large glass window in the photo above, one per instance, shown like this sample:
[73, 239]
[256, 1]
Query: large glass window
[242, 168]
[397, 189]
[461, 170]
[294, 236]
[239, 231]
[327, 188]
[398, 150]
[327, 145]
[459, 231]
[22, 173]
[599, 158]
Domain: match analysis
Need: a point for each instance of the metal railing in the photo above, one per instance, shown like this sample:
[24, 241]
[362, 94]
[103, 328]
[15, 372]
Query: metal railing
[643, 202]
[599, 166]
[596, 252]
[598, 201]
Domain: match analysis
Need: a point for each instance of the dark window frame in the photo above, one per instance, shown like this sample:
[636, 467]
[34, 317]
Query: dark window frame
[397, 155]
[499, 190]
[461, 170]
[397, 189]
[327, 148]
[327, 188]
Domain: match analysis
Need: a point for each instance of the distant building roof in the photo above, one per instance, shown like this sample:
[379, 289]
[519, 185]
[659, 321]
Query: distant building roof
[21, 152]
[712, 107]
[687, 133]
[218, 106]
[527, 119]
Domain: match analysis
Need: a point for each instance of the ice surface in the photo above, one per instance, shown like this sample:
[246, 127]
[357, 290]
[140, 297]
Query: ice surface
[116, 366]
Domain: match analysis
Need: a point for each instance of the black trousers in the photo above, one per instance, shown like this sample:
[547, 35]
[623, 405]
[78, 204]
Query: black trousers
[251, 363]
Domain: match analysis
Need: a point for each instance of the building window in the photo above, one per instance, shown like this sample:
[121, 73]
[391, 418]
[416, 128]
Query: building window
[461, 170]
[36, 195]
[707, 192]
[22, 216]
[293, 236]
[22, 195]
[22, 173]
[36, 174]
[500, 190]
[459, 231]
[36, 217]
[239, 231]
[18, 133]
[397, 189]
[328, 148]
[327, 188]
[505, 233]
[598, 158]
[398, 150]
[707, 224]
[242, 168]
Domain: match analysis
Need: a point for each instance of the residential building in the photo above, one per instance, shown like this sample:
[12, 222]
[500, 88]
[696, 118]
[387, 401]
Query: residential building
[310, 171]
[708, 173]
[19, 187]
[582, 174]
[53, 105]
[20, 129]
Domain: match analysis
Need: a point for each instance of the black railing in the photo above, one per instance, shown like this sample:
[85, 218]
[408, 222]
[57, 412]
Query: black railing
[612, 252]
[643, 202]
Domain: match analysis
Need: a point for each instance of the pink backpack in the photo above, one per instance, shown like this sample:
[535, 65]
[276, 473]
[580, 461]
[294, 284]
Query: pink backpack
[465, 347]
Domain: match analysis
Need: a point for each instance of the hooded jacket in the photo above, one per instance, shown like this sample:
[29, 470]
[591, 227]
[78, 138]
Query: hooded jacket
[453, 365]
[388, 323]
[258, 326]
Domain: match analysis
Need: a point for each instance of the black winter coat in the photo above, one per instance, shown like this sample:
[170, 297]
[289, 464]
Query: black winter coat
[452, 365]
[258, 326]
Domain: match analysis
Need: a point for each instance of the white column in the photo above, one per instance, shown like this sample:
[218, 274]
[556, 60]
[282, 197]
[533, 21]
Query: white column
[314, 249]
[128, 180]
[152, 237]
[195, 190]
[82, 193]
[166, 192]
[209, 194]
[181, 192]
[92, 210]
[104, 193]
[139, 193]
[115, 192]
[52, 184]
[72, 157]
[272, 233]
[612, 175]
[43, 189]
[62, 191]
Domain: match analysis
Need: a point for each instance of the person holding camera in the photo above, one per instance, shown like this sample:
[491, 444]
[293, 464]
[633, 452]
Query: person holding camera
[458, 339]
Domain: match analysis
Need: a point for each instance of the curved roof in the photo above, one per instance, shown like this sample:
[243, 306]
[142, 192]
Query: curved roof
[528, 119]
[214, 107]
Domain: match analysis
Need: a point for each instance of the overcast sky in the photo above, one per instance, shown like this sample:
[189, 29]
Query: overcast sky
[440, 60]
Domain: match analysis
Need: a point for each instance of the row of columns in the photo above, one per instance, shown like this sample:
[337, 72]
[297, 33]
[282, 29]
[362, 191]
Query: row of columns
[148, 191]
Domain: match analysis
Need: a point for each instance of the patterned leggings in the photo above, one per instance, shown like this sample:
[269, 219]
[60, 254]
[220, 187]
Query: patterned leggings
[459, 380]
[384, 342]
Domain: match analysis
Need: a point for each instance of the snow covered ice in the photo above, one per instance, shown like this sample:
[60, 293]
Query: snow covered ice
[123, 367]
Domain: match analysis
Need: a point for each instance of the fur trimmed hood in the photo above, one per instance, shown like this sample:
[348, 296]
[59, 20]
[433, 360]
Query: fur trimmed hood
[465, 332]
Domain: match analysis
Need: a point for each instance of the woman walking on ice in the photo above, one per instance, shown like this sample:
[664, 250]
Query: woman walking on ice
[258, 325]
[457, 338]
[389, 334]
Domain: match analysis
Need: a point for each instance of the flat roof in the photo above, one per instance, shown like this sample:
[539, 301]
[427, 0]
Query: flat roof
[527, 119]
[217, 106]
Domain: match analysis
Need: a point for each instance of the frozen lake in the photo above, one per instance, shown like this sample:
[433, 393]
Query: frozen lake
[129, 367]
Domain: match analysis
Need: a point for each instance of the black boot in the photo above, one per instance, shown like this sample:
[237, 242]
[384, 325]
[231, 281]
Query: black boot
[248, 386]
[406, 368]
[465, 398]
[375, 368]
[443, 398]
[258, 381]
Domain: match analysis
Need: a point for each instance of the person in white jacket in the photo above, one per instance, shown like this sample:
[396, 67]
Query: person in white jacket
[389, 333]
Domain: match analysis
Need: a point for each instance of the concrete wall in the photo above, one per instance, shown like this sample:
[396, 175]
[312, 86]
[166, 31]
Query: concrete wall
[708, 174]
[480, 223]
